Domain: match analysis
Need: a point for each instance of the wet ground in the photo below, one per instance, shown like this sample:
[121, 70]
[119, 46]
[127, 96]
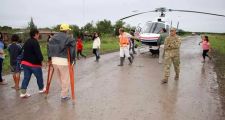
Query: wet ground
[105, 91]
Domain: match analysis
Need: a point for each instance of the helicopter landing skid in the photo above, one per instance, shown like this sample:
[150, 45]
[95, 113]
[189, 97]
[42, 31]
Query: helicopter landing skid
[143, 49]
[154, 51]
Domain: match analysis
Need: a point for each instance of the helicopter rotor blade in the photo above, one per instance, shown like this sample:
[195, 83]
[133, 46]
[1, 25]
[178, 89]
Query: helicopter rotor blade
[137, 14]
[197, 12]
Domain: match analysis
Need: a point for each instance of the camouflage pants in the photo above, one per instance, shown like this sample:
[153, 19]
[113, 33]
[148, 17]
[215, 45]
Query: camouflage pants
[171, 56]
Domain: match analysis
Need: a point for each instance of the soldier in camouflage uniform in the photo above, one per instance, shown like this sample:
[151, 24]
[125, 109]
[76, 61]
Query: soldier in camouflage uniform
[172, 55]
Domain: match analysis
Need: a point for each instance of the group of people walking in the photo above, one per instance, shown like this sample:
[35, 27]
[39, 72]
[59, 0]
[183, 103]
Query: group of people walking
[30, 58]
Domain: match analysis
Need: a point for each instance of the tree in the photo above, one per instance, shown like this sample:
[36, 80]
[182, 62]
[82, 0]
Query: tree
[89, 27]
[75, 29]
[56, 28]
[119, 24]
[128, 27]
[6, 29]
[104, 26]
[31, 24]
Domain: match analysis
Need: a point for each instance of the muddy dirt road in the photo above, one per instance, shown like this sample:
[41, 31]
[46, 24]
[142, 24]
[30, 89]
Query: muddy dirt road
[105, 91]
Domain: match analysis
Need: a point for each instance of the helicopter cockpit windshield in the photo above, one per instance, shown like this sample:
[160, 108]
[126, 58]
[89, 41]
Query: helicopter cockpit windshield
[153, 27]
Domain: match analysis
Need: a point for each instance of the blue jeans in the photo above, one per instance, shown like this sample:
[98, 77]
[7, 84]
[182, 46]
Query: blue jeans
[37, 71]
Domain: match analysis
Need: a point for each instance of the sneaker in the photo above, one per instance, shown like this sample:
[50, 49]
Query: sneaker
[65, 98]
[26, 95]
[42, 91]
[3, 82]
[164, 81]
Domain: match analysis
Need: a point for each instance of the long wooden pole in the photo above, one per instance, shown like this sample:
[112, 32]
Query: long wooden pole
[71, 72]
[49, 78]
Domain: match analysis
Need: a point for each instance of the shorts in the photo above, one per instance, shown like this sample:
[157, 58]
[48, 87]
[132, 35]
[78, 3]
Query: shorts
[15, 68]
[124, 51]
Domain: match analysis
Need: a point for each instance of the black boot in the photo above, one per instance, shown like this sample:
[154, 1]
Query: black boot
[132, 56]
[121, 61]
[96, 59]
[130, 59]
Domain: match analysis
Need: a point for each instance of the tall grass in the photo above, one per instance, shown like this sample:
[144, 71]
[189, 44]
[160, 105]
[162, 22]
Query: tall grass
[218, 43]
[6, 63]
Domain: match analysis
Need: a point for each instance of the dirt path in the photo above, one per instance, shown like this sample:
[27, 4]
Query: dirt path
[105, 91]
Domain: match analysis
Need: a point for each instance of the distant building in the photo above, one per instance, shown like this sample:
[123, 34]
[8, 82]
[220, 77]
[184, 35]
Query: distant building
[44, 33]
[24, 34]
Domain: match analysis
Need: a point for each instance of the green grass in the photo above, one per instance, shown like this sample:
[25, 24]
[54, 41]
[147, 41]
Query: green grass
[218, 43]
[108, 44]
[6, 63]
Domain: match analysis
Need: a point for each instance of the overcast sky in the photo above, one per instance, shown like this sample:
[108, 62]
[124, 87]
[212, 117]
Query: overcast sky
[47, 13]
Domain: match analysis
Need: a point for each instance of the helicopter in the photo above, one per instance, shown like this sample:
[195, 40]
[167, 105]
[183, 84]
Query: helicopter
[150, 33]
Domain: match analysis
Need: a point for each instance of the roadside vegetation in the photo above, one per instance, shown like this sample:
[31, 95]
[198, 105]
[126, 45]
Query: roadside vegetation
[218, 52]
[218, 43]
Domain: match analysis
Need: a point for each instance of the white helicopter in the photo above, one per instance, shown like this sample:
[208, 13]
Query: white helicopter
[150, 33]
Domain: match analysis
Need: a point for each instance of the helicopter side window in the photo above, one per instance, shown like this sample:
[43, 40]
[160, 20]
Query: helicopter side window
[154, 27]
[149, 27]
[158, 27]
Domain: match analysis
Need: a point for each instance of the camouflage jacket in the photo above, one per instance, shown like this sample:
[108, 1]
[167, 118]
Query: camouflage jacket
[172, 43]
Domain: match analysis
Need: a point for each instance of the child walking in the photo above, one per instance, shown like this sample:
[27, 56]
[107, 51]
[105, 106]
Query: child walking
[205, 47]
[14, 51]
[79, 48]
